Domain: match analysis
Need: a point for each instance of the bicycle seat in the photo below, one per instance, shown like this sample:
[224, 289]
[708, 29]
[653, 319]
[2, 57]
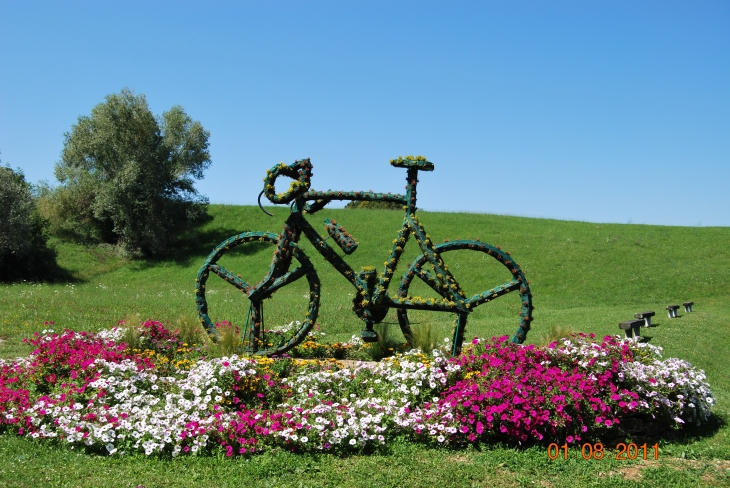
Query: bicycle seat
[418, 162]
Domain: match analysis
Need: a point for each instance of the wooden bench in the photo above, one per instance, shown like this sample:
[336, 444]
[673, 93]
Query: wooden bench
[632, 328]
[646, 317]
[688, 306]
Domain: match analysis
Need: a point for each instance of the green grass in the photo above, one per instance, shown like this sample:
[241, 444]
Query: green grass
[584, 276]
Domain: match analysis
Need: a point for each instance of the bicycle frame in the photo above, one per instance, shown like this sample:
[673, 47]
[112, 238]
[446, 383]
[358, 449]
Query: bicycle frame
[374, 293]
[372, 300]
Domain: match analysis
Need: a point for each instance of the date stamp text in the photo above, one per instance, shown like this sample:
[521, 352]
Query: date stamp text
[596, 451]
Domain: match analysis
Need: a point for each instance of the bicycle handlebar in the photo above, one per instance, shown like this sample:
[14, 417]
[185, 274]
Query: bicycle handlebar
[300, 171]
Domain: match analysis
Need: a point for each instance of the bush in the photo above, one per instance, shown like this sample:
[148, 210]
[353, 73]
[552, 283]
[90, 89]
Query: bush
[24, 253]
[375, 205]
[70, 215]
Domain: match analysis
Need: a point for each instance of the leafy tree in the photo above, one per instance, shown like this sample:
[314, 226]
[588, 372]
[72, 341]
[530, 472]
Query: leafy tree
[127, 176]
[24, 253]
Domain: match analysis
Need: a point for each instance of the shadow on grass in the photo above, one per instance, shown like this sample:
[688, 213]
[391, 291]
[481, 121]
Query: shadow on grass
[691, 434]
[193, 247]
[663, 432]
[40, 268]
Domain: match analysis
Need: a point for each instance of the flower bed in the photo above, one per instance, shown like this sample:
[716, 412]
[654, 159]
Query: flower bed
[91, 391]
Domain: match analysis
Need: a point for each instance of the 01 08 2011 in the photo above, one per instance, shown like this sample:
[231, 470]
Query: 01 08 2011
[624, 451]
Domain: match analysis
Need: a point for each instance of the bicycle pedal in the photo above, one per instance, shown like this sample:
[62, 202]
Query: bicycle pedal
[369, 335]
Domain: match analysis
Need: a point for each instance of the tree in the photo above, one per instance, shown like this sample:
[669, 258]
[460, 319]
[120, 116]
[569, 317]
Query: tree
[24, 253]
[127, 176]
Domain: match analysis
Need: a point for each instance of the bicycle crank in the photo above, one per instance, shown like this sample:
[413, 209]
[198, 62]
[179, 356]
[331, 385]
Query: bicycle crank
[364, 309]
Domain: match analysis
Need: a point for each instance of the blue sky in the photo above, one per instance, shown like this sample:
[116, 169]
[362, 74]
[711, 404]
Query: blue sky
[597, 111]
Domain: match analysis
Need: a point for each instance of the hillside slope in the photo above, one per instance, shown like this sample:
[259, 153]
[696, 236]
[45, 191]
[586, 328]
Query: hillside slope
[583, 275]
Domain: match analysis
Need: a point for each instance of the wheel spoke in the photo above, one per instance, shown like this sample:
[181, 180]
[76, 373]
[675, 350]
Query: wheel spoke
[441, 288]
[495, 292]
[428, 278]
[230, 278]
[286, 278]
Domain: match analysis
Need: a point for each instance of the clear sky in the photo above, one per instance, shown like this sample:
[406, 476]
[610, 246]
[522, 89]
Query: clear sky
[602, 111]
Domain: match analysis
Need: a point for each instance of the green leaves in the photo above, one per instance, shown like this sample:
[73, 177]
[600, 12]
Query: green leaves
[17, 229]
[130, 175]
[23, 250]
[186, 142]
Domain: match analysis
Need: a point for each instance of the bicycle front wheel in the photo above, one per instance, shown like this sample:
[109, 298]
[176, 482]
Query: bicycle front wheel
[472, 263]
[268, 317]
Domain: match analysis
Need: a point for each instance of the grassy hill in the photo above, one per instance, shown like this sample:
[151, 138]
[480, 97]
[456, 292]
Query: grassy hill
[584, 276]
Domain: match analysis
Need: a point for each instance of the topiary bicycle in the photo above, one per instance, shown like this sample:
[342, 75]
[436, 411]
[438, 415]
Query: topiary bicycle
[372, 300]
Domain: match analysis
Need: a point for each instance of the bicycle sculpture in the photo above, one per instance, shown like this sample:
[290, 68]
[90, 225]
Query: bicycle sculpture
[372, 298]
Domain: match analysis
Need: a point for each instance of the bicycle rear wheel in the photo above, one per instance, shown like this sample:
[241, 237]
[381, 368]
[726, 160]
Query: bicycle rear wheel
[465, 259]
[277, 314]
